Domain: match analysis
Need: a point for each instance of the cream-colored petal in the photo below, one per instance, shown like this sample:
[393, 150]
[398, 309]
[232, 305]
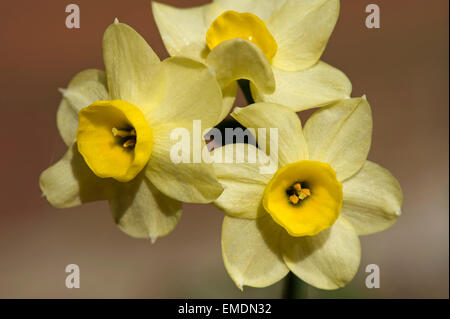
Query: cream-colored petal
[240, 59]
[302, 29]
[70, 182]
[67, 122]
[340, 135]
[229, 97]
[372, 199]
[131, 67]
[190, 92]
[328, 260]
[192, 182]
[142, 211]
[290, 140]
[316, 86]
[262, 8]
[183, 30]
[242, 179]
[84, 89]
[251, 251]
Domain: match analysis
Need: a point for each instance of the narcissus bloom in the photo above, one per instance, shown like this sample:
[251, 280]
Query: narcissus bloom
[276, 44]
[306, 217]
[117, 125]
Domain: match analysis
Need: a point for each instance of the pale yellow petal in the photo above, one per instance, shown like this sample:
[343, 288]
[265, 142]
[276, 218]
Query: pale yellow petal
[229, 97]
[290, 140]
[85, 88]
[67, 122]
[262, 8]
[190, 92]
[302, 29]
[131, 67]
[328, 260]
[316, 86]
[192, 182]
[240, 59]
[251, 251]
[340, 135]
[183, 30]
[70, 182]
[372, 199]
[142, 211]
[242, 179]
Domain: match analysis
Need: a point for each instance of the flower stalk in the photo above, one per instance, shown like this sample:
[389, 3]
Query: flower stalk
[295, 288]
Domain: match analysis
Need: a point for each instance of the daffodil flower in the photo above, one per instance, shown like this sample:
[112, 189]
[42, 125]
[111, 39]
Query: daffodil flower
[307, 216]
[117, 126]
[276, 44]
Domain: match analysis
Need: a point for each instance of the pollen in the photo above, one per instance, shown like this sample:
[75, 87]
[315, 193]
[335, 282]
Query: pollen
[294, 199]
[297, 193]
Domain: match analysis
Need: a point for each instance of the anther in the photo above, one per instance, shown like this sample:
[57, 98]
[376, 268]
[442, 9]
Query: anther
[129, 143]
[294, 199]
[296, 193]
[302, 196]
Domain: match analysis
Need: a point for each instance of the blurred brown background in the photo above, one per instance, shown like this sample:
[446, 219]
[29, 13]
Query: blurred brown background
[402, 67]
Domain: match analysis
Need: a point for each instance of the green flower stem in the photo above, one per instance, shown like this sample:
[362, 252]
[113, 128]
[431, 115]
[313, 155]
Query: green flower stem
[295, 288]
[245, 87]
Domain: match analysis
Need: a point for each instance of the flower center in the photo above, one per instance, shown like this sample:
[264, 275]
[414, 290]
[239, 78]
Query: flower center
[127, 137]
[296, 193]
[304, 197]
[247, 26]
[114, 139]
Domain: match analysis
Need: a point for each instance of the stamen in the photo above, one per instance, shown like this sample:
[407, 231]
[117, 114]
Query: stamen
[296, 193]
[123, 133]
[128, 137]
[302, 195]
[294, 199]
[306, 191]
[129, 143]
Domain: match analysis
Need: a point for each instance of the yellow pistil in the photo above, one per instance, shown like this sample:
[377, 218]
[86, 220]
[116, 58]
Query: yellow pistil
[232, 25]
[304, 197]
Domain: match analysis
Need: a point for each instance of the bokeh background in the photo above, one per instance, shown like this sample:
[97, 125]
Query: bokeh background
[402, 67]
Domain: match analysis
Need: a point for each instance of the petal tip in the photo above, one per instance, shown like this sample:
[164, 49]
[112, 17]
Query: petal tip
[153, 238]
[240, 284]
